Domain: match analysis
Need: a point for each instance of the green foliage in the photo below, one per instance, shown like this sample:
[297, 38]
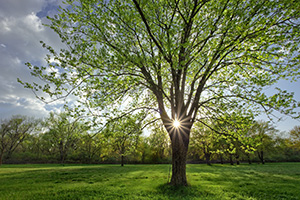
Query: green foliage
[155, 148]
[62, 135]
[227, 136]
[187, 56]
[123, 134]
[187, 60]
[159, 144]
[13, 132]
[90, 148]
[295, 138]
[203, 143]
[262, 132]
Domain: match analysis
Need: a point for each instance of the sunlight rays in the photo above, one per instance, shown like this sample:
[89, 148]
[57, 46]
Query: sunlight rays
[176, 123]
[180, 126]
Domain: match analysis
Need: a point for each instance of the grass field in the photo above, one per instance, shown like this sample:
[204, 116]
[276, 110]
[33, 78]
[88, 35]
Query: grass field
[269, 181]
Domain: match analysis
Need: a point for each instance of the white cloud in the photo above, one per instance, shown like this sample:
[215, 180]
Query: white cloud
[33, 22]
[53, 60]
[5, 25]
[20, 32]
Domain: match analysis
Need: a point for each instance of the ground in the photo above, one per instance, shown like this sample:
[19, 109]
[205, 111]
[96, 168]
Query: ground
[256, 181]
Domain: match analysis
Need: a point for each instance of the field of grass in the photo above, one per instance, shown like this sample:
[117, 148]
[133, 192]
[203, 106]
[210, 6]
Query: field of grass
[269, 181]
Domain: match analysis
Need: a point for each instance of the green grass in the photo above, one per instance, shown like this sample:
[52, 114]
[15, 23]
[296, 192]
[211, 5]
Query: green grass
[269, 181]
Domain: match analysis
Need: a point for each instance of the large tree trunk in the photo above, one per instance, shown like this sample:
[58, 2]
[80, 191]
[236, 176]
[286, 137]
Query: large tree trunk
[180, 143]
[180, 138]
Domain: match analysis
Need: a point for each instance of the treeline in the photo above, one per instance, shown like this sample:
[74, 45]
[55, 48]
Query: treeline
[62, 139]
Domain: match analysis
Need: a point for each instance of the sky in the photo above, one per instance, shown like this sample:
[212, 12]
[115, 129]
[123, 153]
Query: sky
[21, 30]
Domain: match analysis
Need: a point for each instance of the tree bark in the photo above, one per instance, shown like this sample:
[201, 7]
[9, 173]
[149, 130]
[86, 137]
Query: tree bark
[221, 158]
[122, 160]
[262, 157]
[230, 159]
[237, 157]
[180, 143]
[180, 138]
[207, 158]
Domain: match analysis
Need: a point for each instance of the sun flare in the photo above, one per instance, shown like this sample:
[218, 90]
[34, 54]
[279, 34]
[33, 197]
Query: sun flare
[176, 123]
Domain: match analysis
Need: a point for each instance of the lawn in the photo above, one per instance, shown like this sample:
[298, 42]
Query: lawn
[269, 181]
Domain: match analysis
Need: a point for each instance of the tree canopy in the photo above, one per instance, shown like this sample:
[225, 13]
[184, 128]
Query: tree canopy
[185, 59]
[13, 132]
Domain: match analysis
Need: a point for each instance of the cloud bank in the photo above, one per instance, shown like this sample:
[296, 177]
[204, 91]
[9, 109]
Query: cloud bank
[21, 29]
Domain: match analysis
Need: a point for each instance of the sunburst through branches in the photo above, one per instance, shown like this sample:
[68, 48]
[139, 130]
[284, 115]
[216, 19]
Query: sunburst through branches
[176, 123]
[180, 124]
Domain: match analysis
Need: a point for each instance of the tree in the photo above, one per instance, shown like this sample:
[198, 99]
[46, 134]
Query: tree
[295, 137]
[263, 133]
[282, 151]
[91, 146]
[231, 134]
[13, 132]
[124, 135]
[203, 142]
[182, 58]
[290, 147]
[63, 134]
[159, 144]
[144, 150]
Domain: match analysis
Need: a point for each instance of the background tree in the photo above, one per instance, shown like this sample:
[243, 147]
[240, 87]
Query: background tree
[282, 152]
[124, 134]
[91, 147]
[159, 144]
[203, 142]
[13, 132]
[144, 150]
[263, 133]
[231, 132]
[295, 137]
[288, 148]
[30, 150]
[248, 145]
[185, 57]
[63, 134]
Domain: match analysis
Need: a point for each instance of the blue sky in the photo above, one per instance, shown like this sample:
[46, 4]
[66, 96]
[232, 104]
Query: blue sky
[21, 30]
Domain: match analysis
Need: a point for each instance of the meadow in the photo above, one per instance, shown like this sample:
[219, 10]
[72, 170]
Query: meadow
[256, 181]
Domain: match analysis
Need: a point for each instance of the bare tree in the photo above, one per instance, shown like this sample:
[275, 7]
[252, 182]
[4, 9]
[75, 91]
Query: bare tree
[13, 132]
